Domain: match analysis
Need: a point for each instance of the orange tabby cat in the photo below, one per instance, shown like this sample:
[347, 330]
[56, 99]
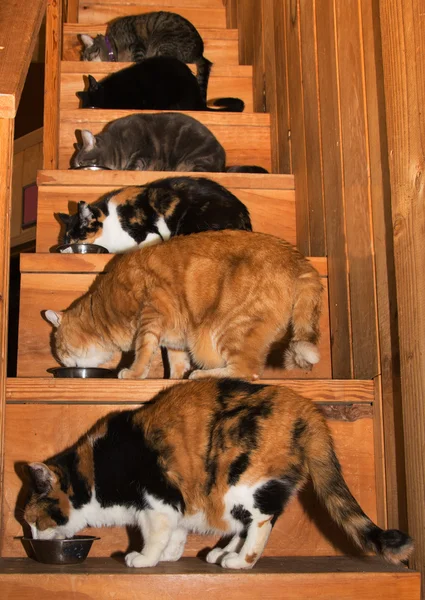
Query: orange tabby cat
[220, 298]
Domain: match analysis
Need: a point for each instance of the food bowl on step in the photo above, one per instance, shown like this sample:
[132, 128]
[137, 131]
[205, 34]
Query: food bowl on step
[61, 552]
[82, 373]
[91, 168]
[81, 249]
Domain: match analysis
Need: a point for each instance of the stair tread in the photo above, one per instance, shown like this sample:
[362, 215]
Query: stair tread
[69, 177]
[82, 67]
[48, 389]
[96, 28]
[337, 565]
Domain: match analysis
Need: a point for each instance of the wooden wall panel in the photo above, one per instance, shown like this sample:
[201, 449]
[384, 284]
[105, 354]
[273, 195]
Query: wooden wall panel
[304, 530]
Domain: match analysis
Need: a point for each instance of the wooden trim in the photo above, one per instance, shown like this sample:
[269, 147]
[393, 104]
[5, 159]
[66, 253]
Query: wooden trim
[38, 389]
[30, 139]
[403, 48]
[52, 84]
[6, 166]
[20, 24]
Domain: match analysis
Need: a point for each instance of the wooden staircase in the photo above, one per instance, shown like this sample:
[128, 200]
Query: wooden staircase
[306, 554]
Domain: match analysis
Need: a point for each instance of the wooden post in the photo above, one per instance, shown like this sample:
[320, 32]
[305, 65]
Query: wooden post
[403, 50]
[52, 84]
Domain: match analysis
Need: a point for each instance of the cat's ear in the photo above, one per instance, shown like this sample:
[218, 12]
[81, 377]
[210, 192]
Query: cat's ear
[87, 40]
[64, 218]
[93, 84]
[42, 477]
[84, 211]
[89, 141]
[53, 317]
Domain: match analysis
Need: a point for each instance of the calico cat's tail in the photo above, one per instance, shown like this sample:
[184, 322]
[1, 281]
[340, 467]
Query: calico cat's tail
[228, 105]
[302, 351]
[203, 69]
[329, 484]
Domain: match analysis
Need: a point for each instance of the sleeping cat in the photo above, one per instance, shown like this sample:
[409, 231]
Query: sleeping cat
[154, 142]
[136, 37]
[137, 216]
[158, 83]
[220, 298]
[222, 456]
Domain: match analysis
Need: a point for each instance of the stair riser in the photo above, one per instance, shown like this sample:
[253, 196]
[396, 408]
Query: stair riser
[36, 431]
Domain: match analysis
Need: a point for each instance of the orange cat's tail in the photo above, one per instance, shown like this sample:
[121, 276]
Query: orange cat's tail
[302, 351]
[329, 484]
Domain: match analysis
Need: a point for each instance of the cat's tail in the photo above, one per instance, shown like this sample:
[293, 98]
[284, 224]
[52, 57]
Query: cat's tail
[203, 69]
[302, 351]
[228, 105]
[331, 488]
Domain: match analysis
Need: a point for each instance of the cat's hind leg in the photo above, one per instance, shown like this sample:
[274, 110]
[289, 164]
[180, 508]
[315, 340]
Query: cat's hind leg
[157, 529]
[179, 363]
[176, 545]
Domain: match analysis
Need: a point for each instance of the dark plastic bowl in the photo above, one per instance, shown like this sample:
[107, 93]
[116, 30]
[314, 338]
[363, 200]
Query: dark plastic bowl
[82, 249]
[82, 372]
[61, 552]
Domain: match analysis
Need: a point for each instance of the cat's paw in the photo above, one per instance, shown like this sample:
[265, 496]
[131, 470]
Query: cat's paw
[215, 555]
[233, 560]
[172, 554]
[198, 374]
[138, 560]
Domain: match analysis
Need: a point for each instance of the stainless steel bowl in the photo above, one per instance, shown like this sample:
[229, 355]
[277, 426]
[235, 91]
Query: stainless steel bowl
[82, 372]
[61, 552]
[81, 249]
[91, 168]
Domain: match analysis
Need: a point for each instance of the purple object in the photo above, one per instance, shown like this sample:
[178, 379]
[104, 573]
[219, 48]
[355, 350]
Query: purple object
[110, 49]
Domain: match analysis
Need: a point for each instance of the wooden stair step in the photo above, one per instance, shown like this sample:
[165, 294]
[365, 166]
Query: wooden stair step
[221, 46]
[225, 81]
[274, 578]
[270, 200]
[244, 136]
[54, 281]
[74, 405]
[95, 11]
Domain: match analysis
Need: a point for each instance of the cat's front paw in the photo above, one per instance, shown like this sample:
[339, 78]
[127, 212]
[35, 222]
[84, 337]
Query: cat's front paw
[126, 374]
[215, 555]
[138, 560]
[198, 374]
[233, 560]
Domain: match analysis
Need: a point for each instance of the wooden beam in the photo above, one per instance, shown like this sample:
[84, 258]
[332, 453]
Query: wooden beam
[20, 24]
[52, 84]
[403, 49]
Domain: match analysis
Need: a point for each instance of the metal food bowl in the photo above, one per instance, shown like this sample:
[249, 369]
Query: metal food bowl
[81, 249]
[91, 168]
[82, 372]
[61, 552]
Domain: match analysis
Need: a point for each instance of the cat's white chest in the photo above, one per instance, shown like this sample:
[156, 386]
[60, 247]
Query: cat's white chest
[113, 237]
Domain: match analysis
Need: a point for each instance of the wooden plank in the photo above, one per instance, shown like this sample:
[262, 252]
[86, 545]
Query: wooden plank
[97, 263]
[165, 4]
[386, 296]
[333, 190]
[296, 107]
[56, 290]
[403, 46]
[234, 81]
[271, 211]
[304, 529]
[229, 128]
[114, 179]
[6, 166]
[92, 12]
[356, 191]
[52, 84]
[312, 133]
[20, 23]
[48, 390]
[231, 12]
[324, 579]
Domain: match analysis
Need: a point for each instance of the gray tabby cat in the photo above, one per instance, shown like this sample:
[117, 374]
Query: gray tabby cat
[152, 142]
[133, 38]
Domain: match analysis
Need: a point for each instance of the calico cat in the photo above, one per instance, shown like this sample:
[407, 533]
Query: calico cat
[220, 298]
[158, 83]
[137, 216]
[222, 456]
[136, 37]
[154, 142]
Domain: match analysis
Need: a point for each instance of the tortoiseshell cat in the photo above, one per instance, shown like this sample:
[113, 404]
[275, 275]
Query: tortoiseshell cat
[222, 456]
[157, 142]
[219, 298]
[152, 142]
[158, 83]
[136, 37]
[133, 217]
